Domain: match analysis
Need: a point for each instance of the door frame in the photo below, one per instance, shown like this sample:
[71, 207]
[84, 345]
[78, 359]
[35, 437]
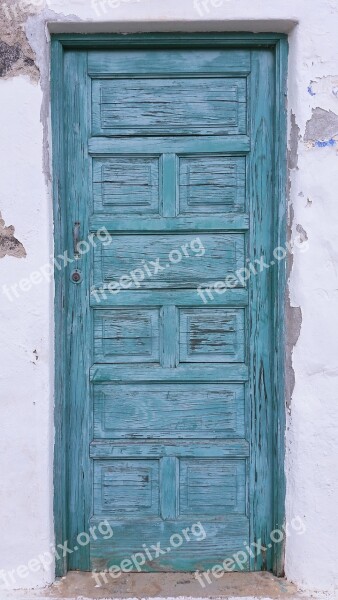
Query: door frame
[279, 45]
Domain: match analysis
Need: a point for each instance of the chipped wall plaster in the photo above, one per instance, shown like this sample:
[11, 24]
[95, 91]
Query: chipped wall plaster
[312, 487]
[293, 143]
[293, 313]
[16, 54]
[9, 245]
[322, 128]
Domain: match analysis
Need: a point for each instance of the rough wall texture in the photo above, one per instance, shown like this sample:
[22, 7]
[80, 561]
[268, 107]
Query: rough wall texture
[16, 54]
[26, 407]
[322, 127]
[9, 245]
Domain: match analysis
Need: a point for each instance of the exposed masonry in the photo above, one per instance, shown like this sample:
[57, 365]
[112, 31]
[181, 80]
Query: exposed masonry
[9, 245]
[322, 128]
[293, 143]
[16, 54]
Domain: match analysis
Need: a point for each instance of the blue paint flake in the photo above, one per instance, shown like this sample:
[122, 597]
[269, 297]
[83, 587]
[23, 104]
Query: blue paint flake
[309, 89]
[325, 143]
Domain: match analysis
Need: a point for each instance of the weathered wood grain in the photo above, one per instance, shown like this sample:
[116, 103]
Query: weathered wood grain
[211, 184]
[194, 62]
[168, 144]
[179, 106]
[126, 488]
[212, 486]
[260, 388]
[224, 372]
[222, 538]
[215, 257]
[182, 411]
[187, 224]
[181, 449]
[127, 185]
[78, 332]
[232, 297]
[211, 335]
[127, 335]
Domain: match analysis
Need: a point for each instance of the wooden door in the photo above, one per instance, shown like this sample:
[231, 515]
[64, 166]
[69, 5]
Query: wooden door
[170, 180]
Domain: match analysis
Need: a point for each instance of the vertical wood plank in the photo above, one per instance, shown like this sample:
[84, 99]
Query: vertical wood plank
[79, 326]
[169, 182]
[61, 287]
[169, 482]
[169, 338]
[279, 289]
[261, 179]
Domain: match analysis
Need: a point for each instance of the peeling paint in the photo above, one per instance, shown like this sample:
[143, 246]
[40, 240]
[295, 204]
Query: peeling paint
[293, 314]
[35, 29]
[293, 143]
[293, 322]
[303, 234]
[326, 86]
[9, 245]
[322, 129]
[24, 50]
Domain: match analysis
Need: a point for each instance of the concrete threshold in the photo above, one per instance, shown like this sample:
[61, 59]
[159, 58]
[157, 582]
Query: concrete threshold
[82, 586]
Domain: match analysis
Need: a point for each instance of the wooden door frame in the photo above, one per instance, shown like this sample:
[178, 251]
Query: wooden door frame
[63, 42]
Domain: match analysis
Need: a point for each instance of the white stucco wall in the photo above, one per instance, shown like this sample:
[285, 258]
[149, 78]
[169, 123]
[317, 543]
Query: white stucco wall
[26, 377]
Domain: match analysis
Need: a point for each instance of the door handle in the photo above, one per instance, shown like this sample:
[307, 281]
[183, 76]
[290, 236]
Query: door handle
[76, 238]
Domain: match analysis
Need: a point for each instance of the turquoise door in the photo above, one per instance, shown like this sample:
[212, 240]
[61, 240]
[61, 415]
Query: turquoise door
[170, 192]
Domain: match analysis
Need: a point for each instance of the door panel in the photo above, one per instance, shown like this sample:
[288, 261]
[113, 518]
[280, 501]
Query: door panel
[169, 106]
[211, 184]
[171, 153]
[187, 61]
[127, 184]
[223, 254]
[182, 412]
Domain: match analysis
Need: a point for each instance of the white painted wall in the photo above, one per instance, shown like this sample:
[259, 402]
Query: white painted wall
[26, 383]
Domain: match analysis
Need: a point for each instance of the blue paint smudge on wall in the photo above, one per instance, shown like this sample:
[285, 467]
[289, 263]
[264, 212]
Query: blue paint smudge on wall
[324, 144]
[309, 89]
